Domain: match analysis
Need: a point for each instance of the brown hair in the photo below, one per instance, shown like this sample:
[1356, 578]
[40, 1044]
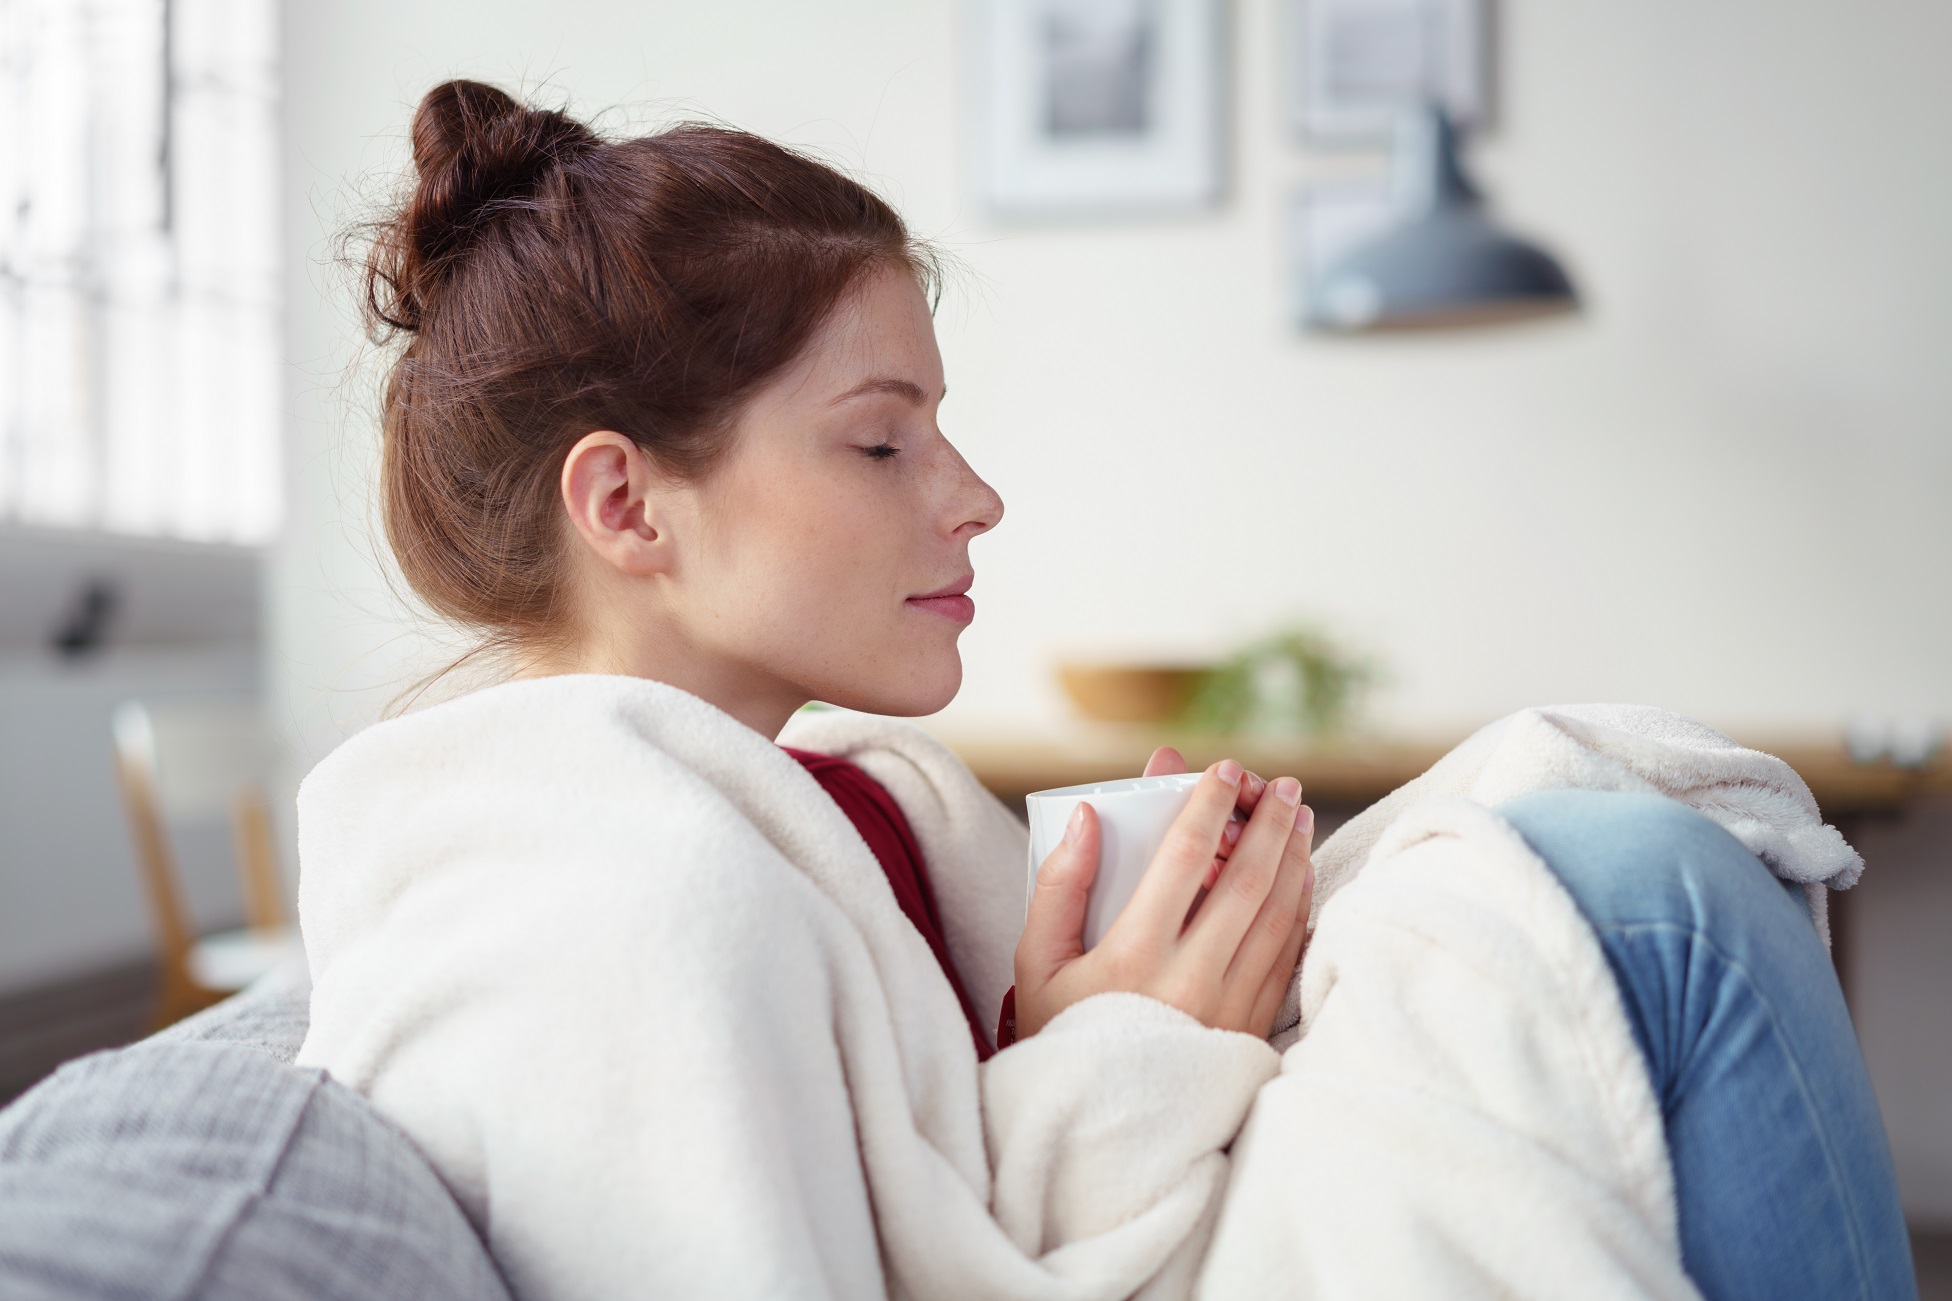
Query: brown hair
[550, 283]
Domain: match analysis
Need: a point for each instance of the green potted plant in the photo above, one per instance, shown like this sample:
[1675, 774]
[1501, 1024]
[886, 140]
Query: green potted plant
[1296, 682]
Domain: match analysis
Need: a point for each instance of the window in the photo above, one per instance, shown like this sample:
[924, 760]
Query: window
[139, 354]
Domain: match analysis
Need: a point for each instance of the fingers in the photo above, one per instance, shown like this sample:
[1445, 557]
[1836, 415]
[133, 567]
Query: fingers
[1274, 987]
[1165, 762]
[1229, 837]
[1260, 950]
[1252, 786]
[1262, 860]
[1177, 872]
[1168, 761]
[1272, 924]
[1053, 928]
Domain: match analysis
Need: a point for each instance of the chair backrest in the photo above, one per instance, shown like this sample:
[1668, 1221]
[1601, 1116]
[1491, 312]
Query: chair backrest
[200, 755]
[189, 762]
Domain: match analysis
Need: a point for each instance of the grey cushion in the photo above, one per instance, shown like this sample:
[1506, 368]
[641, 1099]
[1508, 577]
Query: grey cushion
[270, 1016]
[197, 1164]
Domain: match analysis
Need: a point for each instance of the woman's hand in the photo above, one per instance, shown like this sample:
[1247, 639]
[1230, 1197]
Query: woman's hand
[1169, 762]
[1227, 966]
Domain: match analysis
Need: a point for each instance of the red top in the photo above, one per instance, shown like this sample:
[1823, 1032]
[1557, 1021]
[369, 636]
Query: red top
[882, 824]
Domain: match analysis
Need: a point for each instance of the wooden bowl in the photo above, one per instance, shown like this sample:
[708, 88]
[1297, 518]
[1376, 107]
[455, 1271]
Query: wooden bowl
[1130, 693]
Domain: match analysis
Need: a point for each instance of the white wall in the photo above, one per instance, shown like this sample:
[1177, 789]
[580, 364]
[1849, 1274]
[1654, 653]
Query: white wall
[1723, 489]
[167, 593]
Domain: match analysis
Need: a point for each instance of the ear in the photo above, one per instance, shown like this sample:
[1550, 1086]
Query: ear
[611, 491]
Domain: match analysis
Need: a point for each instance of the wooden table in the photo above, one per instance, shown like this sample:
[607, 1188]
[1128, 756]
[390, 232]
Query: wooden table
[1341, 779]
[1358, 773]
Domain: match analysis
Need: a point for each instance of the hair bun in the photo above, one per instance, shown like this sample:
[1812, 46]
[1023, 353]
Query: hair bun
[475, 149]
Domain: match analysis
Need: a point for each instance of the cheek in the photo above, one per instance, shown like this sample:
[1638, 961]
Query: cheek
[821, 567]
[810, 589]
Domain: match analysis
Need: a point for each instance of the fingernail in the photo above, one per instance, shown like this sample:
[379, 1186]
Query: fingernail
[1287, 790]
[1074, 826]
[1230, 836]
[1305, 821]
[1229, 772]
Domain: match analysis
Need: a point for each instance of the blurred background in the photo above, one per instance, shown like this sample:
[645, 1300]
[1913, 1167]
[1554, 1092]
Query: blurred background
[1264, 388]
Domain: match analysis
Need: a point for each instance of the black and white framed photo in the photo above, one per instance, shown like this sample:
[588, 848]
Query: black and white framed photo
[1355, 65]
[1098, 107]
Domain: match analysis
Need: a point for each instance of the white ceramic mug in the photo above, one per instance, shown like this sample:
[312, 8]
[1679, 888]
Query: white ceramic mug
[1133, 816]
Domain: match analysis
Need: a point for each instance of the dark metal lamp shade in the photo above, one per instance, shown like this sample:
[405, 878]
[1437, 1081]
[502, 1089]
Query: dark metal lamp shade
[1444, 263]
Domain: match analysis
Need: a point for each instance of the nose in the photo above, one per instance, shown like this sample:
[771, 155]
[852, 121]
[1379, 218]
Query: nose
[978, 508]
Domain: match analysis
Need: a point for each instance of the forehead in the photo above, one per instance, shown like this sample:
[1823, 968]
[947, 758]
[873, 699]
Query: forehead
[882, 330]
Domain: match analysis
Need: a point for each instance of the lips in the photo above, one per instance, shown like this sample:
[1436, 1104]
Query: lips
[950, 602]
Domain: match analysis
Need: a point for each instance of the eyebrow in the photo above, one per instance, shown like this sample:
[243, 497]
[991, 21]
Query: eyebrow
[907, 390]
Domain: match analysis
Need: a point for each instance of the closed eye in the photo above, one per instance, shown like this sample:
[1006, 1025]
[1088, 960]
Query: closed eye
[881, 451]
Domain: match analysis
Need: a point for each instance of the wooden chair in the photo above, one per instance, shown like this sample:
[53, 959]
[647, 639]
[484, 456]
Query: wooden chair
[182, 762]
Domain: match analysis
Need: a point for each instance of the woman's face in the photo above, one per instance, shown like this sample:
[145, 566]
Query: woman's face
[826, 556]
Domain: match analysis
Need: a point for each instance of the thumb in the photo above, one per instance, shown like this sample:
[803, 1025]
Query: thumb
[1164, 761]
[1053, 929]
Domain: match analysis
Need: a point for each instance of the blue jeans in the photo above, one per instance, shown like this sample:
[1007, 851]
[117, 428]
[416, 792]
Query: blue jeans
[1781, 1168]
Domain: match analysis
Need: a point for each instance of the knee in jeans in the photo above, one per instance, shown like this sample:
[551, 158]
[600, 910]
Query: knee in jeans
[1633, 814]
[1606, 843]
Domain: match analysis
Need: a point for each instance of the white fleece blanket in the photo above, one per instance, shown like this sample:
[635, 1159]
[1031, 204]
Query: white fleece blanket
[1462, 1111]
[644, 997]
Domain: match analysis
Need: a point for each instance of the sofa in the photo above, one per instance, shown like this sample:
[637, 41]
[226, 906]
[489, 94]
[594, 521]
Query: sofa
[201, 1163]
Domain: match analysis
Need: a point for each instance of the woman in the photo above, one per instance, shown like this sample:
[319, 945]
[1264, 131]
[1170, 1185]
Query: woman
[675, 1009]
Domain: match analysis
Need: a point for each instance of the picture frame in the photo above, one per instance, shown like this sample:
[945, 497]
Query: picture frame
[1354, 66]
[1098, 107]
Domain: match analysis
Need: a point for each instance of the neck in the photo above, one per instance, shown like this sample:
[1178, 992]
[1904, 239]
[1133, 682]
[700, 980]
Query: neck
[760, 703]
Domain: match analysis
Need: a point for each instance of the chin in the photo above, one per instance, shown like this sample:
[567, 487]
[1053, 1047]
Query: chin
[927, 690]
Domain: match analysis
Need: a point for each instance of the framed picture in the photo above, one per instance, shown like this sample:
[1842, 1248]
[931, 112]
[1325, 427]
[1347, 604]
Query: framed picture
[1355, 65]
[1098, 107]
